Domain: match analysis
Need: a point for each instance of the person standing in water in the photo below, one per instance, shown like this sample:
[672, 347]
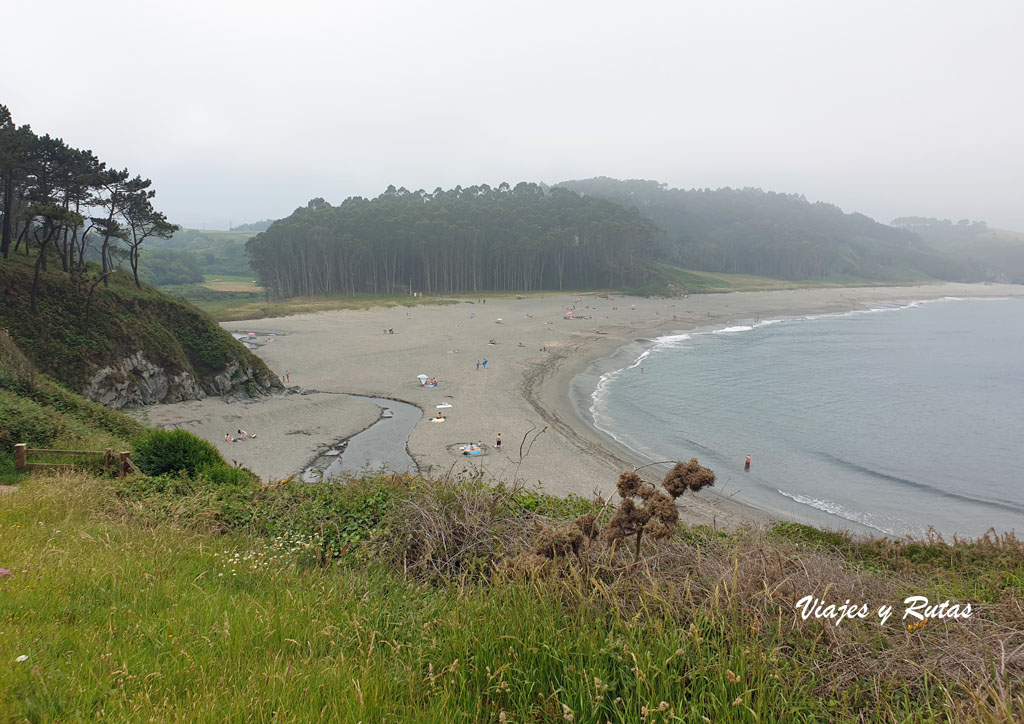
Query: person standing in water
[746, 465]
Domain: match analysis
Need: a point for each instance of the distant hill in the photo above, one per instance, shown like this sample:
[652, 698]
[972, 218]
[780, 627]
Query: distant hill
[254, 226]
[218, 252]
[750, 231]
[990, 254]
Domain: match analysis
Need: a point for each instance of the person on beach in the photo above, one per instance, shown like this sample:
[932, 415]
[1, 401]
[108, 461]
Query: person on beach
[497, 444]
[478, 365]
[227, 437]
[484, 363]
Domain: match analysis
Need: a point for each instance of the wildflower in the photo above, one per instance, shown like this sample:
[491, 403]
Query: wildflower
[4, 573]
[739, 700]
[733, 679]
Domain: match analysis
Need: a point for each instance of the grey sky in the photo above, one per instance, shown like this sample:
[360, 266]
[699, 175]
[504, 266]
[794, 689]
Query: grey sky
[244, 110]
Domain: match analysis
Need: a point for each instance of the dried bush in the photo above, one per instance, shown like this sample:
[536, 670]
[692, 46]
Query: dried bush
[656, 513]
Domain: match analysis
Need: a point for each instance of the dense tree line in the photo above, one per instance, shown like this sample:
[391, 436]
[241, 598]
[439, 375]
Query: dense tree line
[62, 200]
[983, 254]
[465, 239]
[750, 231]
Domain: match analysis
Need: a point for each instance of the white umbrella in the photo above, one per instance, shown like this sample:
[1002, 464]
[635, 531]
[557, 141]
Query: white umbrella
[422, 377]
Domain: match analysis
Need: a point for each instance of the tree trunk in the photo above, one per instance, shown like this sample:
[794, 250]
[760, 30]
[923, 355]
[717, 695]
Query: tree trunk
[40, 262]
[5, 240]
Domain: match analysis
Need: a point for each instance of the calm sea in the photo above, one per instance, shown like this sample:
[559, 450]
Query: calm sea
[889, 420]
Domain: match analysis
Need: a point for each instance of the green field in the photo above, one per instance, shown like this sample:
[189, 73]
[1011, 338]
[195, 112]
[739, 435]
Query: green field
[229, 278]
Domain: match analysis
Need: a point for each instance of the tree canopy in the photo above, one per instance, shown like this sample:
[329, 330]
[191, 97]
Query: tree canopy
[462, 240]
[62, 198]
[750, 231]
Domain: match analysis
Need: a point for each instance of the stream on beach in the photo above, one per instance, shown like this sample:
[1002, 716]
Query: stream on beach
[380, 446]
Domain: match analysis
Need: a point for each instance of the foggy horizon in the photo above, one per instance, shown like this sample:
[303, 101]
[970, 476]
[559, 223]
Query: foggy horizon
[240, 116]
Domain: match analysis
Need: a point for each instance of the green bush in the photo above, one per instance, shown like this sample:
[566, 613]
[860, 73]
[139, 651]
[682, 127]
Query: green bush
[171, 451]
[224, 475]
[22, 420]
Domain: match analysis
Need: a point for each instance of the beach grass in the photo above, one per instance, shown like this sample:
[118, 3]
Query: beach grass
[237, 305]
[129, 611]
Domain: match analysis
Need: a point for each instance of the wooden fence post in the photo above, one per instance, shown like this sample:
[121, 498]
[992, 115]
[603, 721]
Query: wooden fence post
[108, 457]
[124, 463]
[19, 457]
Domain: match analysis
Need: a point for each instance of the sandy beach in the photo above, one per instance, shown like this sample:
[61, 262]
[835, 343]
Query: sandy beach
[522, 393]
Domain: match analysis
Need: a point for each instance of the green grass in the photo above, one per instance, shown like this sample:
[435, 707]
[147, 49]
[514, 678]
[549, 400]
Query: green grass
[665, 280]
[129, 611]
[228, 278]
[669, 279]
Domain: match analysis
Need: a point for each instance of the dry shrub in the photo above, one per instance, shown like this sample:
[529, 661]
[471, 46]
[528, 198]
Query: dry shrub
[453, 529]
[656, 514]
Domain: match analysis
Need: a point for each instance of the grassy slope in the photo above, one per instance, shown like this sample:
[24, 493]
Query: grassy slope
[42, 413]
[127, 614]
[123, 320]
[697, 282]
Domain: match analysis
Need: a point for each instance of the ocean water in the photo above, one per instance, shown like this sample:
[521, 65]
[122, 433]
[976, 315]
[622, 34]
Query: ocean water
[886, 420]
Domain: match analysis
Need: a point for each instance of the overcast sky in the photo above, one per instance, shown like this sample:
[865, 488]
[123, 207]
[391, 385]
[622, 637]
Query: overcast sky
[240, 111]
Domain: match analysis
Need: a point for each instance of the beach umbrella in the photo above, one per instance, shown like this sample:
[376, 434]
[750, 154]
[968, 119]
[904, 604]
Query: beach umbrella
[421, 378]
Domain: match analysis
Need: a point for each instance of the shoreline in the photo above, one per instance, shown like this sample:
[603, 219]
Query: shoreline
[610, 355]
[534, 353]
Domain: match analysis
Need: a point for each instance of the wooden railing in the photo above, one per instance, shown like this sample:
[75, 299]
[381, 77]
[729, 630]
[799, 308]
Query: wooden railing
[107, 457]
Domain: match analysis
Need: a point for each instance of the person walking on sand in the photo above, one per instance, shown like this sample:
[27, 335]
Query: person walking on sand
[485, 364]
[478, 365]
[497, 443]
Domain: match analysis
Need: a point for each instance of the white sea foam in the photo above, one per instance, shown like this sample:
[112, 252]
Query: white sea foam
[599, 408]
[866, 519]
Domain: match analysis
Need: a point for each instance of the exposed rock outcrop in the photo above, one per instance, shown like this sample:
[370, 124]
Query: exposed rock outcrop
[136, 381]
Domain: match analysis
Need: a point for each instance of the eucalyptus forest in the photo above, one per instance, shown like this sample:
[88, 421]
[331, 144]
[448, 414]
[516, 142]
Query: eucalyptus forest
[463, 240]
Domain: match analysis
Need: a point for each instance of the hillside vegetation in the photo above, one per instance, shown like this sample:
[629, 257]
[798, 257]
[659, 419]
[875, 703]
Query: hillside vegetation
[601, 233]
[750, 231]
[81, 327]
[43, 414]
[397, 599]
[216, 252]
[982, 254]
